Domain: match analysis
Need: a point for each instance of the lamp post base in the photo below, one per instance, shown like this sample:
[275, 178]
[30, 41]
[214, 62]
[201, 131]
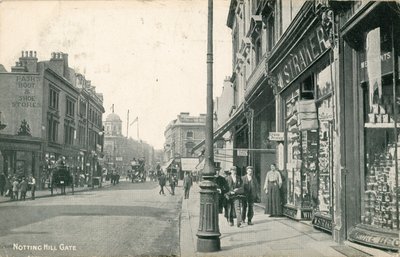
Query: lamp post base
[209, 244]
[208, 233]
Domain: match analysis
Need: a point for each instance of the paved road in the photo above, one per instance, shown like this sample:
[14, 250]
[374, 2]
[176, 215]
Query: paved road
[123, 220]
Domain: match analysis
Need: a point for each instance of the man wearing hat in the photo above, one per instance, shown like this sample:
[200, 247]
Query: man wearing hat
[251, 192]
[235, 196]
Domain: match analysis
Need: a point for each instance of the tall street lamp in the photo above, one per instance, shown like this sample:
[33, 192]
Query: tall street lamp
[208, 233]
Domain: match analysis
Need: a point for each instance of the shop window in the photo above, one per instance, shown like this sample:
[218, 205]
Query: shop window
[381, 111]
[307, 88]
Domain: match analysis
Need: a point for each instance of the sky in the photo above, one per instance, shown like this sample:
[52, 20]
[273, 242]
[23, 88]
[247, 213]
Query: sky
[148, 56]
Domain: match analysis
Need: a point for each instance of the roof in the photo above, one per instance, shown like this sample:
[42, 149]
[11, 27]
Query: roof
[113, 117]
[189, 164]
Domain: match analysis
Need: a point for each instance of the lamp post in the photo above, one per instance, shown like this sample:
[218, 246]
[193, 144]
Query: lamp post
[208, 233]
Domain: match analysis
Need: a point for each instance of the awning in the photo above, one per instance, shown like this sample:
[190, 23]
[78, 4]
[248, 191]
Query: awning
[219, 132]
[189, 164]
[200, 165]
[167, 164]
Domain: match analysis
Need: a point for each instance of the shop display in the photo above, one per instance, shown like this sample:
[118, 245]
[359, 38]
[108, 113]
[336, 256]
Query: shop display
[379, 196]
[294, 150]
[325, 117]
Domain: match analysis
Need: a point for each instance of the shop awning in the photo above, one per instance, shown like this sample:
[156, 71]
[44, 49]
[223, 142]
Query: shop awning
[200, 165]
[189, 164]
[167, 165]
[219, 132]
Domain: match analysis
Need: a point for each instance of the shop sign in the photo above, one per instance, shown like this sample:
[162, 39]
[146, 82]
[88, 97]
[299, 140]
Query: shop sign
[241, 152]
[276, 136]
[322, 223]
[386, 64]
[119, 159]
[289, 212]
[375, 239]
[306, 215]
[314, 44]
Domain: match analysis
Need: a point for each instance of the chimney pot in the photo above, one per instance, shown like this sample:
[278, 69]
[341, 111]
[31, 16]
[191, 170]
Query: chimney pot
[26, 53]
[16, 63]
[30, 53]
[53, 55]
[34, 53]
[22, 53]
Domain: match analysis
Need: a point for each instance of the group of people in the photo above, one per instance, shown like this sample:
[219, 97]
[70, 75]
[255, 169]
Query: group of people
[237, 194]
[16, 188]
[172, 180]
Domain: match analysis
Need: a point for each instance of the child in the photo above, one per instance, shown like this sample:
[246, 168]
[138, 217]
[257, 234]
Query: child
[15, 186]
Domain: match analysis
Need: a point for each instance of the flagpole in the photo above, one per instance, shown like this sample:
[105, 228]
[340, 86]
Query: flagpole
[127, 125]
[137, 118]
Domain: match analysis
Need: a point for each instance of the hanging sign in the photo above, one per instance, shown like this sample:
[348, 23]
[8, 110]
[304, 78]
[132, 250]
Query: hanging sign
[241, 152]
[276, 136]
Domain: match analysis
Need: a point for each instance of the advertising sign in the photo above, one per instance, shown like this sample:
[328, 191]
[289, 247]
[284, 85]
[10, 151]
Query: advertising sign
[21, 104]
[276, 136]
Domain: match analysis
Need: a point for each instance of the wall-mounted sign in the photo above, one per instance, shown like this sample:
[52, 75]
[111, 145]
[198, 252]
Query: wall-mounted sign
[242, 152]
[308, 50]
[119, 159]
[276, 136]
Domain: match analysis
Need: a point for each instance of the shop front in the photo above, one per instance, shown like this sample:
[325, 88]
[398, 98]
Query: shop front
[20, 156]
[302, 68]
[371, 70]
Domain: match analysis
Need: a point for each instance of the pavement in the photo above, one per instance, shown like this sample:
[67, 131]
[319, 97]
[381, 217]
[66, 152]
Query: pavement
[269, 236]
[56, 192]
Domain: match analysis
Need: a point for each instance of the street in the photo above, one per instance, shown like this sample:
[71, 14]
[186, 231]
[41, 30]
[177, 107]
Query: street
[122, 220]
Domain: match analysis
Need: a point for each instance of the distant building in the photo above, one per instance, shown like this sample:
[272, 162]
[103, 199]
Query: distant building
[48, 116]
[181, 135]
[119, 151]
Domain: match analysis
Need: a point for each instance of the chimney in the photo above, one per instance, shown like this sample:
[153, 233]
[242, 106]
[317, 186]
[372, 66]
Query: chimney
[66, 68]
[29, 61]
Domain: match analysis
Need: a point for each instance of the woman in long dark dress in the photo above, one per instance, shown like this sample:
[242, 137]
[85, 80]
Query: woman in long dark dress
[272, 185]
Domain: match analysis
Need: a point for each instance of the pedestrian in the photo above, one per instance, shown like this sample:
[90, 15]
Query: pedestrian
[272, 185]
[222, 188]
[251, 191]
[23, 187]
[2, 183]
[15, 187]
[32, 183]
[162, 181]
[234, 197]
[187, 184]
[172, 184]
[9, 187]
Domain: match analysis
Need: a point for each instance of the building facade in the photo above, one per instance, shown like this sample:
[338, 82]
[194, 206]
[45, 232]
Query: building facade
[181, 136]
[119, 151]
[41, 108]
[315, 91]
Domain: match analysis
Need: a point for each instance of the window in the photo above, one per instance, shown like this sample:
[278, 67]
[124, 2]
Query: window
[258, 50]
[270, 32]
[68, 134]
[70, 111]
[52, 130]
[53, 98]
[189, 134]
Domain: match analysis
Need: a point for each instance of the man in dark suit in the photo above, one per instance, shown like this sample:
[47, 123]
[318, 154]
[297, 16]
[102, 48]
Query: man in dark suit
[251, 190]
[234, 197]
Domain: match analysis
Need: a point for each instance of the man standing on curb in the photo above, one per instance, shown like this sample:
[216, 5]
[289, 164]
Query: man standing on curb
[251, 192]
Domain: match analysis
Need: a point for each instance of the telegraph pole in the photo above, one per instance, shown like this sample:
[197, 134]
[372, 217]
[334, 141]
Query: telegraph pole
[208, 233]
